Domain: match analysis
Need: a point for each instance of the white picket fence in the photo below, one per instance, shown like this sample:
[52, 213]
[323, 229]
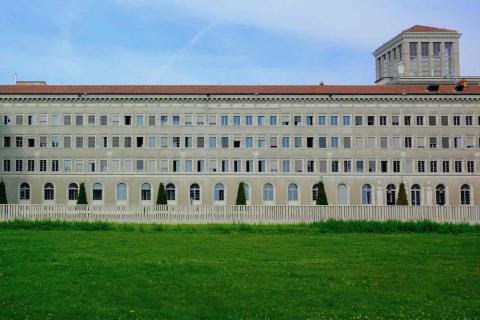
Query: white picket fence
[184, 214]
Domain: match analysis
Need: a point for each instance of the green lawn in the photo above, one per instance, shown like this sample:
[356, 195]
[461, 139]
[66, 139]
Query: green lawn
[238, 275]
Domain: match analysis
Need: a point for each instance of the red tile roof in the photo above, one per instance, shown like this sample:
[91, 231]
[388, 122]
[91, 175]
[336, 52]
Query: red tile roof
[232, 89]
[419, 28]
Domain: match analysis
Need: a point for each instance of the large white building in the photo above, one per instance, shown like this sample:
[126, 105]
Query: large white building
[202, 141]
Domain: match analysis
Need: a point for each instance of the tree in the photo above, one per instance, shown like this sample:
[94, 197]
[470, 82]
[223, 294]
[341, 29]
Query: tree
[162, 195]
[241, 198]
[402, 196]
[321, 195]
[82, 195]
[3, 193]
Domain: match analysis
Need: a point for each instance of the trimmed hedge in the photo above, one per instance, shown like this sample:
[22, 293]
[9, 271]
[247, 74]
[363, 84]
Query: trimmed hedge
[329, 226]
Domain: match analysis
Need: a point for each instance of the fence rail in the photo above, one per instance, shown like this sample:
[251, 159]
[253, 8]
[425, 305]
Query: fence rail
[203, 214]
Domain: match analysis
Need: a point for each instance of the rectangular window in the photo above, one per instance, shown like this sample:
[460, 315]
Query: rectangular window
[248, 165]
[408, 142]
[298, 165]
[261, 166]
[224, 120]
[212, 142]
[79, 120]
[384, 166]
[297, 120]
[176, 142]
[116, 142]
[383, 120]
[103, 166]
[152, 120]
[248, 142]
[43, 165]
[91, 120]
[31, 165]
[446, 166]
[91, 142]
[358, 120]
[79, 165]
[321, 120]
[188, 165]
[322, 142]
[347, 142]
[200, 165]
[285, 142]
[19, 142]
[433, 166]
[261, 120]
[273, 120]
[55, 141]
[444, 120]
[200, 142]
[334, 142]
[19, 165]
[298, 142]
[188, 120]
[248, 120]
[470, 166]
[176, 120]
[78, 142]
[285, 165]
[407, 120]
[152, 165]
[212, 165]
[44, 119]
[273, 142]
[309, 142]
[384, 142]
[432, 121]
[19, 120]
[333, 120]
[458, 166]
[91, 165]
[285, 120]
[334, 165]
[152, 141]
[433, 142]
[421, 166]
[456, 120]
[322, 166]
[396, 166]
[140, 165]
[359, 166]
[127, 142]
[236, 120]
[372, 166]
[346, 120]
[200, 120]
[237, 165]
[225, 142]
[163, 120]
[31, 119]
[395, 120]
[103, 120]
[67, 165]
[445, 142]
[371, 120]
[419, 120]
[468, 120]
[188, 142]
[347, 166]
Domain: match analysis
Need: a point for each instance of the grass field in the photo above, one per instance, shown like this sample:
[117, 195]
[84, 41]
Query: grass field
[207, 273]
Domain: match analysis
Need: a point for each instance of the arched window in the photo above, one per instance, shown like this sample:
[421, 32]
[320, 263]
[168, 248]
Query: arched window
[292, 192]
[342, 194]
[146, 192]
[121, 192]
[415, 193]
[391, 194]
[440, 197]
[219, 192]
[465, 195]
[268, 192]
[315, 192]
[194, 192]
[49, 192]
[170, 190]
[366, 194]
[72, 192]
[97, 192]
[24, 191]
[246, 187]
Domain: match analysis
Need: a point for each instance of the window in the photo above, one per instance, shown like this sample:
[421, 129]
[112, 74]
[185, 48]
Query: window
[432, 121]
[383, 120]
[444, 120]
[297, 120]
[236, 120]
[24, 192]
[194, 192]
[97, 192]
[176, 120]
[396, 166]
[170, 191]
[200, 120]
[334, 165]
[152, 141]
[358, 120]
[285, 120]
[248, 142]
[7, 120]
[407, 120]
[55, 120]
[465, 195]
[268, 192]
[470, 166]
[333, 120]
[346, 120]
[334, 142]
[67, 165]
[286, 165]
[19, 119]
[321, 120]
[163, 120]
[309, 120]
[433, 142]
[19, 165]
[298, 142]
[285, 142]
[79, 120]
[219, 192]
[433, 166]
[347, 142]
[468, 120]
[224, 120]
[212, 142]
[315, 190]
[395, 120]
[121, 192]
[55, 165]
[371, 120]
[446, 166]
[273, 120]
[248, 120]
[49, 192]
[322, 142]
[359, 166]
[261, 120]
[146, 192]
[415, 195]
[458, 166]
[200, 142]
[273, 142]
[421, 166]
[6, 165]
[391, 194]
[440, 197]
[115, 120]
[419, 120]
[31, 119]
[366, 194]
[292, 192]
[44, 120]
[103, 120]
[261, 142]
[72, 192]
[456, 120]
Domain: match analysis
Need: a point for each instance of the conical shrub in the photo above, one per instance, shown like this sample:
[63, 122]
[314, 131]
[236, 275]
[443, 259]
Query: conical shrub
[241, 198]
[321, 195]
[161, 195]
[402, 196]
[3, 193]
[82, 195]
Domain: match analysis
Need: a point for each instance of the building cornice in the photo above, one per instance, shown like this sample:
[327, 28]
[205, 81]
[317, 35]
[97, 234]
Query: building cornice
[249, 98]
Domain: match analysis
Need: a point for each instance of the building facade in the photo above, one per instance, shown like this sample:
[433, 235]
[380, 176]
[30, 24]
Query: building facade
[202, 141]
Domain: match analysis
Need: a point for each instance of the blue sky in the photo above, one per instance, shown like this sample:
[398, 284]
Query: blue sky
[216, 41]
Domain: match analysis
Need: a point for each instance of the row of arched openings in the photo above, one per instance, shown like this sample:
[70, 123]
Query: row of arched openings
[268, 193]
